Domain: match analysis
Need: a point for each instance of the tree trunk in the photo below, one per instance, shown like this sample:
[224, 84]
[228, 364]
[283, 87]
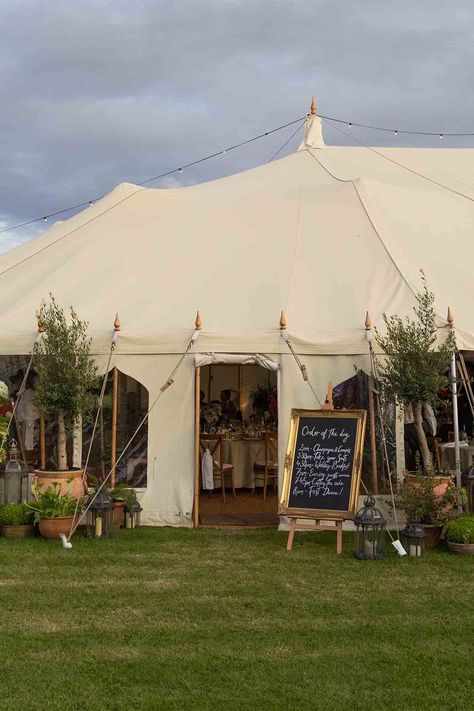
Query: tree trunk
[62, 453]
[420, 433]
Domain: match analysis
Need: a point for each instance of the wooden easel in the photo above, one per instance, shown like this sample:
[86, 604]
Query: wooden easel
[316, 526]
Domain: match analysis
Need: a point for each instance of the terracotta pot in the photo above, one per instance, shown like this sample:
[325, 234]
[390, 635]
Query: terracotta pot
[433, 535]
[27, 531]
[50, 528]
[441, 483]
[71, 481]
[118, 514]
[461, 548]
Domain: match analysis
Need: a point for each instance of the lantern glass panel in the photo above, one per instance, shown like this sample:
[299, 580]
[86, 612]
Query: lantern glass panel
[14, 479]
[101, 516]
[414, 539]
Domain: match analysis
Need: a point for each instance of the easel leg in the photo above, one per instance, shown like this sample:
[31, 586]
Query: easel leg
[289, 545]
[339, 537]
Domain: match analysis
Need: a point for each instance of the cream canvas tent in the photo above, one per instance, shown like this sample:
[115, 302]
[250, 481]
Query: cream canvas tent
[325, 234]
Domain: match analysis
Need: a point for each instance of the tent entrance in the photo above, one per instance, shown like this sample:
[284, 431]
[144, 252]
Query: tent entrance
[236, 417]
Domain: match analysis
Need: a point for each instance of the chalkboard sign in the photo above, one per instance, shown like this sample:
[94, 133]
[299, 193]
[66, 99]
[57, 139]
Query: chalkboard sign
[323, 463]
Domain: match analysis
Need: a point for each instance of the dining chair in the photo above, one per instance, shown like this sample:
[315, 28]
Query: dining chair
[220, 469]
[267, 470]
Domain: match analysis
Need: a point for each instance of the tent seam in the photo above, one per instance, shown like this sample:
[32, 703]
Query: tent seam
[371, 220]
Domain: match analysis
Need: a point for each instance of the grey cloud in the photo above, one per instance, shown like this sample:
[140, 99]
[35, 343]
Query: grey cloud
[100, 92]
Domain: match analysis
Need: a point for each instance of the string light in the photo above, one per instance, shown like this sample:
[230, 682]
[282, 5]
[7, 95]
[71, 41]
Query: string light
[349, 124]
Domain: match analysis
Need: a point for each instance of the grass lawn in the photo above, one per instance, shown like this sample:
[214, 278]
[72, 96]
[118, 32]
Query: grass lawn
[215, 619]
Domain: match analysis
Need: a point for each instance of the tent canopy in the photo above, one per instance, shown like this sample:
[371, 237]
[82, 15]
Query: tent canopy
[325, 234]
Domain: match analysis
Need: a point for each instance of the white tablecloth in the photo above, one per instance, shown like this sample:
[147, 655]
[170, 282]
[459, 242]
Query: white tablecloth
[448, 460]
[242, 454]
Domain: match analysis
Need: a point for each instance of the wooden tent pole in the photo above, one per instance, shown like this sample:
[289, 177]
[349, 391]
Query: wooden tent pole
[113, 455]
[42, 443]
[197, 433]
[373, 438]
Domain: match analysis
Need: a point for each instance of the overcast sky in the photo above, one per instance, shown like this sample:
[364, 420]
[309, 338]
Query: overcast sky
[100, 92]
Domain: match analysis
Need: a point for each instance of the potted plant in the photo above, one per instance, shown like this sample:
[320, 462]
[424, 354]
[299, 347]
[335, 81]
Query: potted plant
[53, 511]
[460, 534]
[66, 379]
[427, 506]
[124, 500]
[414, 371]
[16, 521]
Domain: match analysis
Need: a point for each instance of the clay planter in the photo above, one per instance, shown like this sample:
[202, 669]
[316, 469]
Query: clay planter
[118, 514]
[27, 531]
[461, 548]
[71, 481]
[50, 528]
[441, 483]
[433, 535]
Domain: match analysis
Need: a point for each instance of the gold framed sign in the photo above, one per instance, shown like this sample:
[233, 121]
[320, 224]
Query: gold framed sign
[323, 464]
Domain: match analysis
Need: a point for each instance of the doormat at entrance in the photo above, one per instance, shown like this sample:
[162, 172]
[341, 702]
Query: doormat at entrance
[251, 519]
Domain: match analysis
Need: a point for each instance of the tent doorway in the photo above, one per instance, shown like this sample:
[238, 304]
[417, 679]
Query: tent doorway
[236, 476]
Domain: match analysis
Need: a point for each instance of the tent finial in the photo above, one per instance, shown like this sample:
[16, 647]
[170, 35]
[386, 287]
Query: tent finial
[450, 318]
[197, 322]
[117, 323]
[282, 321]
[313, 107]
[41, 328]
[368, 322]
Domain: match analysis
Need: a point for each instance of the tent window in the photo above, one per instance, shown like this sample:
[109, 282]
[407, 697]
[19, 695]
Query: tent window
[132, 405]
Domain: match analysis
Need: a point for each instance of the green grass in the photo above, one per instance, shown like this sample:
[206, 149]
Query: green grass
[211, 619]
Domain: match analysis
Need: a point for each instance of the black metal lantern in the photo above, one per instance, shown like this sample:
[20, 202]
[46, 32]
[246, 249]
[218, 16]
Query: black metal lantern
[14, 473]
[414, 538]
[131, 518]
[101, 515]
[370, 533]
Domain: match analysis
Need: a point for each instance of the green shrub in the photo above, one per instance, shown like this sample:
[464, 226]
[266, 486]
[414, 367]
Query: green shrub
[461, 529]
[16, 515]
[51, 503]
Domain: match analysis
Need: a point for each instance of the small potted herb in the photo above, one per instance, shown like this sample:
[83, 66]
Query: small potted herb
[124, 500]
[460, 534]
[16, 521]
[53, 511]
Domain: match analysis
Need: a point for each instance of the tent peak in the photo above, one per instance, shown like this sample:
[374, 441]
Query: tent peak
[313, 130]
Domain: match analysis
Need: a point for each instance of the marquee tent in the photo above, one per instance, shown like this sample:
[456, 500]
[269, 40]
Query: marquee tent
[324, 234]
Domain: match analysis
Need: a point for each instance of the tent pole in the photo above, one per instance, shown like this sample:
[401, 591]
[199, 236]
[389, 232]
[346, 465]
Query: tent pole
[42, 443]
[457, 452]
[197, 427]
[373, 439]
[113, 455]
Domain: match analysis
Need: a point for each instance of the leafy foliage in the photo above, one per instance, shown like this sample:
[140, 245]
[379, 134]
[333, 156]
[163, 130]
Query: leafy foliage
[50, 503]
[421, 502]
[414, 371]
[123, 493]
[16, 515]
[461, 529]
[67, 373]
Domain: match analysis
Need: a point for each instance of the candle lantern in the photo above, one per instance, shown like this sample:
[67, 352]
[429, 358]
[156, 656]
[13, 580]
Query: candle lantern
[414, 538]
[131, 518]
[101, 515]
[370, 533]
[14, 473]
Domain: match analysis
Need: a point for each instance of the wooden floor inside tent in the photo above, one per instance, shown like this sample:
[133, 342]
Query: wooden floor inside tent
[246, 509]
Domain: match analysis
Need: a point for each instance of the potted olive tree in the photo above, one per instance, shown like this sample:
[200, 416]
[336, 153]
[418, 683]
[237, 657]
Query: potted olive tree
[414, 371]
[66, 379]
